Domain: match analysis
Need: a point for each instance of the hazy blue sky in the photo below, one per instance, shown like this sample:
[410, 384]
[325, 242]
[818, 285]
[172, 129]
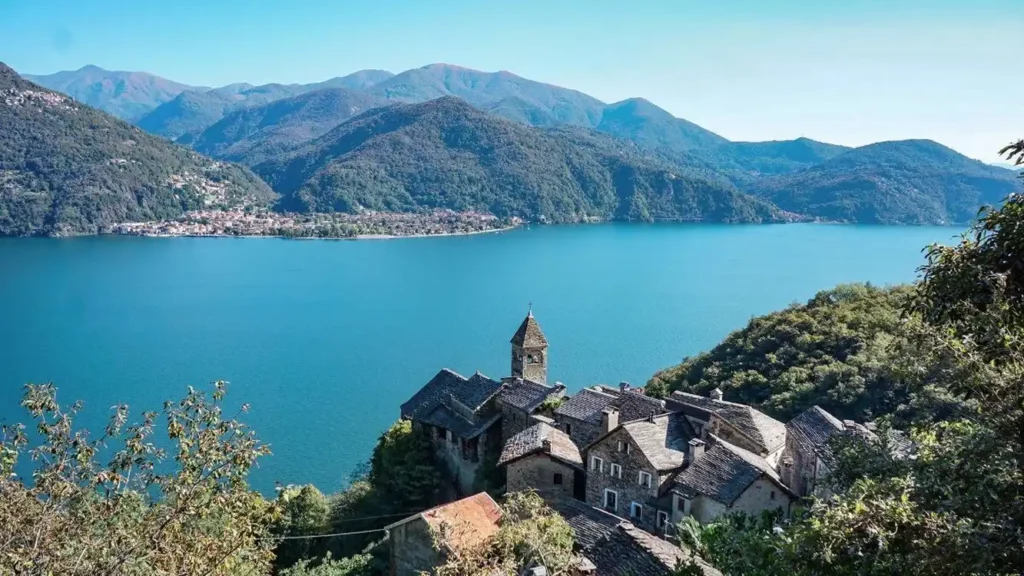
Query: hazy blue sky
[850, 72]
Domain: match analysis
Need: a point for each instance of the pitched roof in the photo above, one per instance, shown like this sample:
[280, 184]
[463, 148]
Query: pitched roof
[526, 395]
[531, 441]
[813, 428]
[767, 433]
[465, 523]
[529, 334]
[587, 404]
[452, 401]
[630, 551]
[590, 524]
[663, 439]
[723, 473]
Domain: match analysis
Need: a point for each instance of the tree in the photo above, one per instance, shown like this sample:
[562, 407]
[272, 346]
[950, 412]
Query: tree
[358, 565]
[138, 514]
[305, 512]
[531, 534]
[404, 470]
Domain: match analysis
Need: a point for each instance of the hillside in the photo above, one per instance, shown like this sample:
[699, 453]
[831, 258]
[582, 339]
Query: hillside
[902, 182]
[746, 161]
[190, 113]
[254, 134]
[644, 123]
[127, 95]
[66, 168]
[446, 153]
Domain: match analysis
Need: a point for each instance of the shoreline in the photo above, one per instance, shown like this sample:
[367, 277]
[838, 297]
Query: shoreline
[333, 238]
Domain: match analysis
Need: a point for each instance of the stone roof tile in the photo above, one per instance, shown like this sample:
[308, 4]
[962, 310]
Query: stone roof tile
[529, 334]
[766, 432]
[723, 473]
[526, 395]
[630, 551]
[663, 439]
[532, 441]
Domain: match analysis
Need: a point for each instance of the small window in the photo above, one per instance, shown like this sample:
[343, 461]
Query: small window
[628, 448]
[636, 510]
[448, 436]
[558, 479]
[616, 470]
[596, 464]
[619, 448]
[772, 495]
[611, 500]
[568, 429]
[662, 521]
[644, 479]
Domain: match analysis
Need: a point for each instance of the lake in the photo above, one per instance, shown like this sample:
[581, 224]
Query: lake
[326, 338]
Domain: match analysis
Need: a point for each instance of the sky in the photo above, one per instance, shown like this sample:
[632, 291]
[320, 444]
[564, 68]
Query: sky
[843, 71]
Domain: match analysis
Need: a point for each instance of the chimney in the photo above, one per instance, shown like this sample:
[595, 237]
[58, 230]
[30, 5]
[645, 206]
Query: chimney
[609, 419]
[623, 386]
[696, 450]
[650, 417]
[546, 445]
[716, 394]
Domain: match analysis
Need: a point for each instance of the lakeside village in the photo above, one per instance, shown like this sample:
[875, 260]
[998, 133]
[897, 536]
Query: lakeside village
[249, 222]
[621, 467]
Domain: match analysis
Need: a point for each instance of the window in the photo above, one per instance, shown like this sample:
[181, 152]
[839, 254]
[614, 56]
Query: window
[611, 500]
[772, 495]
[636, 511]
[568, 429]
[448, 436]
[616, 470]
[558, 479]
[620, 446]
[628, 448]
[644, 479]
[596, 464]
[662, 521]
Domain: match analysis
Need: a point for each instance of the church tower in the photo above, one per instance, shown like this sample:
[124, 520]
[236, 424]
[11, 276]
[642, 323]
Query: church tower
[530, 351]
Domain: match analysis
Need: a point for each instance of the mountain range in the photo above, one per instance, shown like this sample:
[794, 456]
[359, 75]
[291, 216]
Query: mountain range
[451, 137]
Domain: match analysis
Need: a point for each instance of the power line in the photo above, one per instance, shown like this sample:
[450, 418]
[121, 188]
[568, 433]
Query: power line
[323, 535]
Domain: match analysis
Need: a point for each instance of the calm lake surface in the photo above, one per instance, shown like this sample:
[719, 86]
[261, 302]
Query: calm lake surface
[325, 339]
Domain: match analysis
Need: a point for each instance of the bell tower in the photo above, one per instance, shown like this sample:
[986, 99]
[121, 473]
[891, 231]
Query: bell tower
[530, 351]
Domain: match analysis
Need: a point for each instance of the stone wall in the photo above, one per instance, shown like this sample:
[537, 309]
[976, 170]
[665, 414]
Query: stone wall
[800, 472]
[412, 549]
[762, 495]
[582, 433]
[627, 488]
[513, 421]
[730, 434]
[462, 457]
[537, 472]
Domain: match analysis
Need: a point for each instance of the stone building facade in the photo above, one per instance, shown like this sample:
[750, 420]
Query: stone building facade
[544, 459]
[530, 351]
[582, 416]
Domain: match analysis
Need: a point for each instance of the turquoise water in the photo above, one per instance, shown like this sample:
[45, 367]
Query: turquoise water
[325, 339]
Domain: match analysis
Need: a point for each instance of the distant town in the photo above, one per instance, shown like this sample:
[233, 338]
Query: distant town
[250, 222]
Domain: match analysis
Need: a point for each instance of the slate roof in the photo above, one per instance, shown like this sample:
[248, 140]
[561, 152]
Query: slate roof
[767, 433]
[630, 551]
[723, 473]
[587, 404]
[590, 524]
[467, 522]
[437, 403]
[529, 334]
[663, 440]
[813, 428]
[526, 395]
[531, 441]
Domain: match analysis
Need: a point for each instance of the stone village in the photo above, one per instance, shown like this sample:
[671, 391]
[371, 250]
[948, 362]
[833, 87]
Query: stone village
[621, 467]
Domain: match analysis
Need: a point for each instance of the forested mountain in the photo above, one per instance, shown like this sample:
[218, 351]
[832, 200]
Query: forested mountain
[254, 134]
[446, 153]
[126, 95]
[903, 182]
[747, 161]
[66, 168]
[644, 123]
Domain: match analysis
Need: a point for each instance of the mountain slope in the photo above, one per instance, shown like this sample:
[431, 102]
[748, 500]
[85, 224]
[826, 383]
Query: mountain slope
[902, 182]
[192, 112]
[644, 123]
[487, 89]
[68, 169]
[126, 95]
[448, 154]
[744, 162]
[254, 134]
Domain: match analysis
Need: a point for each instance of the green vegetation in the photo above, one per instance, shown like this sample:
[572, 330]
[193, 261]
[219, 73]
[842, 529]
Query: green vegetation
[67, 169]
[447, 154]
[905, 182]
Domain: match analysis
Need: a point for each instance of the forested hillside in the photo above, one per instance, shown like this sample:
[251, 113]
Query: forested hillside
[67, 169]
[446, 153]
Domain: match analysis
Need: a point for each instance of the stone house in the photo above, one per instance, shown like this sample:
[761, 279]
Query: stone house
[738, 424]
[544, 459]
[581, 416]
[630, 466]
[519, 400]
[726, 478]
[807, 458]
[422, 541]
[612, 546]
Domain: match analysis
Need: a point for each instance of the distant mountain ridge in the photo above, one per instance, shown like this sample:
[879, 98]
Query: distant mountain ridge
[68, 169]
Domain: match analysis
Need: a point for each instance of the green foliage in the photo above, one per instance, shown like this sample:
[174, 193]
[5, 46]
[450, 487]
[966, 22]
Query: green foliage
[836, 351]
[905, 182]
[358, 565]
[447, 154]
[404, 470]
[68, 169]
[138, 514]
[126, 95]
[305, 512]
[530, 534]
